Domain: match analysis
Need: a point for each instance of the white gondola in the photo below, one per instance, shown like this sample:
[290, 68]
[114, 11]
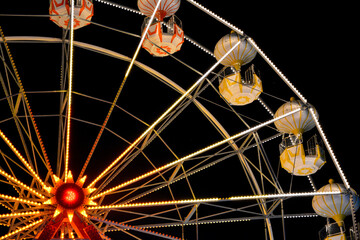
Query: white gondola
[335, 206]
[162, 38]
[60, 12]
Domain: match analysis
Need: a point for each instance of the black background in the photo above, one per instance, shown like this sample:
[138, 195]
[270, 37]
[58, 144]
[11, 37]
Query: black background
[314, 45]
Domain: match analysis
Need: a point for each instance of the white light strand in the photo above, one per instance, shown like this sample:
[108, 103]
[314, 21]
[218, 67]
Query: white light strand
[71, 61]
[217, 221]
[312, 183]
[248, 131]
[329, 148]
[277, 70]
[120, 6]
[231, 26]
[212, 200]
[266, 107]
[203, 222]
[177, 102]
[158, 120]
[302, 216]
[199, 46]
[223, 21]
[140, 13]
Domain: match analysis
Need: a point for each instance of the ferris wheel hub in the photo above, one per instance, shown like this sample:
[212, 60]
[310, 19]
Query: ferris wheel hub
[70, 196]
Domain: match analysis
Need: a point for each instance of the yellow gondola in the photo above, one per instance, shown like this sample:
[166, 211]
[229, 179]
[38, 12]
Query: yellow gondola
[235, 89]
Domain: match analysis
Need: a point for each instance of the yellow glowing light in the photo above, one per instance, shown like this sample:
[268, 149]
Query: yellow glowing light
[21, 229]
[48, 189]
[69, 178]
[81, 181]
[49, 201]
[22, 159]
[21, 214]
[70, 195]
[83, 212]
[57, 212]
[68, 117]
[19, 200]
[89, 190]
[91, 203]
[56, 179]
[70, 215]
[21, 184]
[22, 91]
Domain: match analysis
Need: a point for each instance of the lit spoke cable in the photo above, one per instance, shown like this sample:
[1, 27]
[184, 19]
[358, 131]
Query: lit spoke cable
[71, 61]
[22, 91]
[132, 62]
[329, 148]
[277, 70]
[164, 114]
[228, 220]
[19, 200]
[22, 159]
[212, 200]
[223, 21]
[248, 131]
[192, 41]
[26, 227]
[252, 42]
[119, 6]
[20, 214]
[21, 184]
[129, 227]
[193, 170]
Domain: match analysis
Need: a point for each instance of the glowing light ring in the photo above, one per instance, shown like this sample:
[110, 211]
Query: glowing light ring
[70, 196]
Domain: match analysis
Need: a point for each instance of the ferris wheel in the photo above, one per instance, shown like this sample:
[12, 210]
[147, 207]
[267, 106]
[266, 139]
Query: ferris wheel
[111, 132]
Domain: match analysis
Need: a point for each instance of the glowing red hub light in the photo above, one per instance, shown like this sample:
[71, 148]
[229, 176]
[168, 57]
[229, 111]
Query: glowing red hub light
[70, 196]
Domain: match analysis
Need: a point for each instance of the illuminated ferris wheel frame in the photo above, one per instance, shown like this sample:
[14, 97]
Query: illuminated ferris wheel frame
[185, 94]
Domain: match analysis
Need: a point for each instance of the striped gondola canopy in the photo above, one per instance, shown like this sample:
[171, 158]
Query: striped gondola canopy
[336, 206]
[166, 8]
[297, 123]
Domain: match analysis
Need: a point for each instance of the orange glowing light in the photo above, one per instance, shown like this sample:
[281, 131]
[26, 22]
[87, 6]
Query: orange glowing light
[70, 196]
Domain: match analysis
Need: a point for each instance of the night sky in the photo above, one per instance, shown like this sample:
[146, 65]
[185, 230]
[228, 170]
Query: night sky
[315, 46]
